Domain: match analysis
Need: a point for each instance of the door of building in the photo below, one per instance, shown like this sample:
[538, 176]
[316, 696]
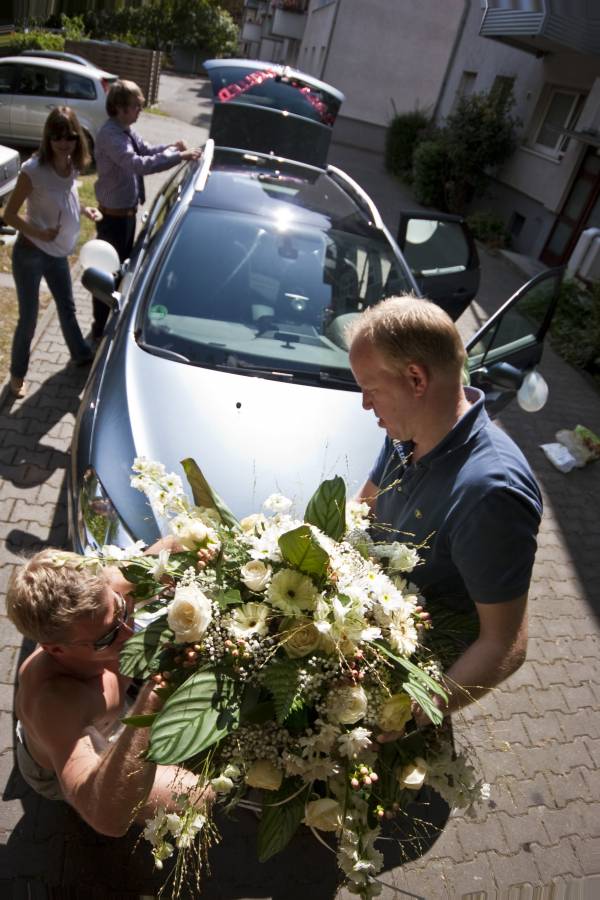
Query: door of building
[581, 210]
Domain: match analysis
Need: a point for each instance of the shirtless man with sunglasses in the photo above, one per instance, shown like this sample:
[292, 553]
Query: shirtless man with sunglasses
[71, 697]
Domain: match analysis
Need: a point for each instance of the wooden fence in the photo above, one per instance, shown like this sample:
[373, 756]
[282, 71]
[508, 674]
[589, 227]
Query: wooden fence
[131, 63]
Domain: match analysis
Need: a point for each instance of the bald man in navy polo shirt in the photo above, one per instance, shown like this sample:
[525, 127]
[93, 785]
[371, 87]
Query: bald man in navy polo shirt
[449, 477]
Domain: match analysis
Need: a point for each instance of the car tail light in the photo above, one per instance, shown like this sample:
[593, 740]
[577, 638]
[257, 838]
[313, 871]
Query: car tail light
[107, 83]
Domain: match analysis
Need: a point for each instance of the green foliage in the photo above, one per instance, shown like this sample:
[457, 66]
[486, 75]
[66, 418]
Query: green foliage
[431, 166]
[281, 680]
[575, 328]
[200, 713]
[163, 24]
[327, 508]
[301, 549]
[140, 654]
[402, 135]
[73, 27]
[452, 165]
[479, 134]
[204, 495]
[489, 229]
[36, 39]
[281, 816]
[419, 685]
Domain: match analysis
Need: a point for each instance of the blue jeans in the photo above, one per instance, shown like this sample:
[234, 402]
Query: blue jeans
[29, 264]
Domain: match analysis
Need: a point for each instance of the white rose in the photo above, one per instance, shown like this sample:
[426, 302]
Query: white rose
[324, 814]
[255, 575]
[277, 503]
[346, 704]
[395, 713]
[300, 637]
[191, 533]
[263, 774]
[189, 614]
[413, 775]
[255, 522]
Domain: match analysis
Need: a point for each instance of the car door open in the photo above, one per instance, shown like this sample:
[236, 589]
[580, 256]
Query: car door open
[443, 258]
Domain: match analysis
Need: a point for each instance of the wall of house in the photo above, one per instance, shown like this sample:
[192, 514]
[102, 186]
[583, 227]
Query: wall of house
[535, 184]
[374, 54]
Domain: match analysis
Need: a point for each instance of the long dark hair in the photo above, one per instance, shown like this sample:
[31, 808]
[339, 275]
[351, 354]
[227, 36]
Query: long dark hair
[62, 120]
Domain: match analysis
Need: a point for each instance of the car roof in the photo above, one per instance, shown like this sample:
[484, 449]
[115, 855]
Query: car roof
[51, 63]
[60, 54]
[255, 184]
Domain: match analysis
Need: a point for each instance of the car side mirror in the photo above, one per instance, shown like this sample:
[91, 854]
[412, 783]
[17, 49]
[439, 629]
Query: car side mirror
[102, 285]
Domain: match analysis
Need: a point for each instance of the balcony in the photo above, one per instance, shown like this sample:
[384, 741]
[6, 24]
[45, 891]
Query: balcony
[289, 19]
[543, 26]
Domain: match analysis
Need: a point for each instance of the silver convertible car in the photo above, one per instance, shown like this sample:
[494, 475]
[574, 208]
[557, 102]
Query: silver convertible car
[227, 342]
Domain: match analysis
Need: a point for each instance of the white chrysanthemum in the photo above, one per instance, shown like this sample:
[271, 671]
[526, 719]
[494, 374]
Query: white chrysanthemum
[251, 618]
[291, 592]
[403, 633]
[352, 743]
[111, 551]
[357, 515]
[264, 544]
[277, 503]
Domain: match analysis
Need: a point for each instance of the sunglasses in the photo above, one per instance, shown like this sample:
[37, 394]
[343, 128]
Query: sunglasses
[110, 637]
[63, 136]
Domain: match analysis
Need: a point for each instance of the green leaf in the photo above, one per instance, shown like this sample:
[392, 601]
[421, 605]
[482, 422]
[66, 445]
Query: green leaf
[140, 721]
[279, 823]
[281, 680]
[327, 508]
[417, 674]
[204, 495]
[200, 712]
[301, 549]
[229, 597]
[416, 692]
[142, 650]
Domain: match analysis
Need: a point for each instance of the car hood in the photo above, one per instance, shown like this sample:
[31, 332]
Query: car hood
[250, 436]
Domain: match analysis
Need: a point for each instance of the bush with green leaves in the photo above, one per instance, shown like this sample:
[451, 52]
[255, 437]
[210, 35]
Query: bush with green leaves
[450, 168]
[489, 229]
[402, 136]
[36, 39]
[431, 166]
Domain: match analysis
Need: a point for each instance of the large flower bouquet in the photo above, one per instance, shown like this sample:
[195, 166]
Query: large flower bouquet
[284, 647]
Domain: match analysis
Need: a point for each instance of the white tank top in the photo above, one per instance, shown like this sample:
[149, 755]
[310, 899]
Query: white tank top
[53, 200]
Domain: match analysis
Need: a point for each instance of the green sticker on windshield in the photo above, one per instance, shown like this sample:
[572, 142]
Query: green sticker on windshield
[157, 312]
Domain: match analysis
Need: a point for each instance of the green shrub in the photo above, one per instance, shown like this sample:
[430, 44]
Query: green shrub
[36, 39]
[402, 135]
[575, 328]
[489, 229]
[430, 173]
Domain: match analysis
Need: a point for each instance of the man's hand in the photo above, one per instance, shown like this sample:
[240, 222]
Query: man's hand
[47, 234]
[195, 153]
[180, 145]
[91, 212]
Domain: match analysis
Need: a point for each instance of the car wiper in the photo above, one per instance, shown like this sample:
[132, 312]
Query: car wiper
[323, 376]
[164, 352]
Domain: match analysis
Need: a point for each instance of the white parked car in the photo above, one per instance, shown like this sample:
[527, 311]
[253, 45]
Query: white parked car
[30, 86]
[10, 165]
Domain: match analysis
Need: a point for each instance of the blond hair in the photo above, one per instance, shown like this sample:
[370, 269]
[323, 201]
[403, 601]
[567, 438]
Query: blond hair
[121, 94]
[409, 329]
[51, 591]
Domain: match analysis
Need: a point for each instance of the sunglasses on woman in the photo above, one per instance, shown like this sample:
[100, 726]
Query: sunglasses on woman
[63, 136]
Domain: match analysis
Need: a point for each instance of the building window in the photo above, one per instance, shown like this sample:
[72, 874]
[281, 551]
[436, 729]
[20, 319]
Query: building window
[560, 114]
[465, 88]
[502, 88]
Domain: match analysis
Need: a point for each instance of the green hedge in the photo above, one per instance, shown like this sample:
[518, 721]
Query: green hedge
[403, 133]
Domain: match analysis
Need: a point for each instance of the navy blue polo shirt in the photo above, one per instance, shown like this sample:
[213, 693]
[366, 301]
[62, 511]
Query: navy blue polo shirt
[472, 501]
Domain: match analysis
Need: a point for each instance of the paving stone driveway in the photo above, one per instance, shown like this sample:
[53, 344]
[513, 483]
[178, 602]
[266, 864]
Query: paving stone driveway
[537, 739]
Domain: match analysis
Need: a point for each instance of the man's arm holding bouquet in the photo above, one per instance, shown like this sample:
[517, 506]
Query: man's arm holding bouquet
[110, 784]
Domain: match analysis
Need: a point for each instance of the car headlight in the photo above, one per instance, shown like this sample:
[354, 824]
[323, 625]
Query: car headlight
[97, 522]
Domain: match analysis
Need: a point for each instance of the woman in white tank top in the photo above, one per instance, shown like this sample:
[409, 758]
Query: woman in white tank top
[47, 235]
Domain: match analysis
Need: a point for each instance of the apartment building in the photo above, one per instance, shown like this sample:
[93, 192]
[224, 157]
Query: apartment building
[396, 55]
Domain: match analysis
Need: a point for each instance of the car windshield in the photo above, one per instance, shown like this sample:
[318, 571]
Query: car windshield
[246, 292]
